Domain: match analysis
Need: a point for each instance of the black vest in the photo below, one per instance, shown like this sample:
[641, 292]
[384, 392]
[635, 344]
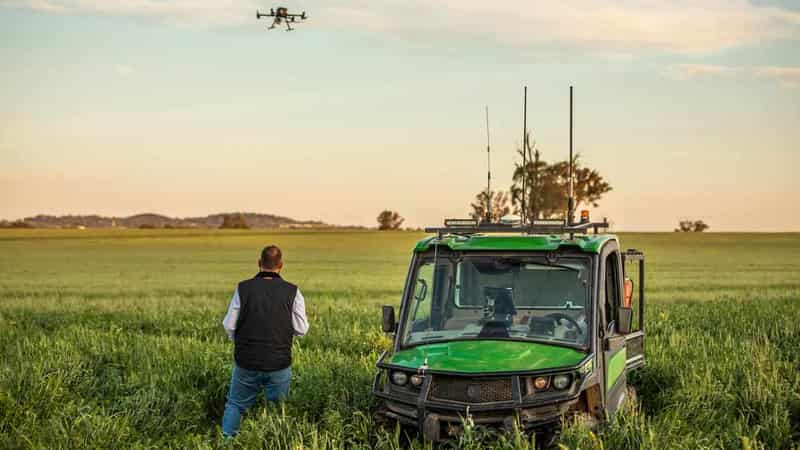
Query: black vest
[264, 331]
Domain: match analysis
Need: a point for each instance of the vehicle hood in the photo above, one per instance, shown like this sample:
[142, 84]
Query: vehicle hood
[480, 356]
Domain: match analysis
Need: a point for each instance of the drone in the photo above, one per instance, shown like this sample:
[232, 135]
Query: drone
[281, 15]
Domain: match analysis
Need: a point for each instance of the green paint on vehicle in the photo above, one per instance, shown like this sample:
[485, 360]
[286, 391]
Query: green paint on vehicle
[486, 356]
[615, 367]
[587, 243]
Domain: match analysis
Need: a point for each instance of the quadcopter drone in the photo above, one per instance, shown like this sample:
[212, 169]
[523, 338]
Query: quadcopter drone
[281, 15]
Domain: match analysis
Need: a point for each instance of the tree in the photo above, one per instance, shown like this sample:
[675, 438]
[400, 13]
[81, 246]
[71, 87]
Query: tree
[236, 220]
[546, 186]
[537, 186]
[389, 220]
[686, 226]
[500, 206]
[700, 226]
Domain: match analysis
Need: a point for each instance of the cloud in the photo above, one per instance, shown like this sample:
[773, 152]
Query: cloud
[649, 25]
[690, 71]
[674, 26]
[46, 6]
[191, 12]
[786, 76]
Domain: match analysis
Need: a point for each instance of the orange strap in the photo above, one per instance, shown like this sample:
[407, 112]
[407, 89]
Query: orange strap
[626, 300]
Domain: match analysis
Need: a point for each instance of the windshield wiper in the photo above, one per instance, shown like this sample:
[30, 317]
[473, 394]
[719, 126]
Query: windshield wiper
[560, 266]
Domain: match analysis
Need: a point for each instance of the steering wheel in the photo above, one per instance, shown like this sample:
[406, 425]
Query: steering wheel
[557, 316]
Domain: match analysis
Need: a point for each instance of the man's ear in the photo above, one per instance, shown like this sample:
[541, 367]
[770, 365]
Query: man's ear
[280, 266]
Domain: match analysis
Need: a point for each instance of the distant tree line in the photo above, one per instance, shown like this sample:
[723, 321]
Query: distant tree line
[15, 224]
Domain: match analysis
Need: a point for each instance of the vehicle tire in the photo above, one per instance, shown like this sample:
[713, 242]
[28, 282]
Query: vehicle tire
[547, 438]
[431, 428]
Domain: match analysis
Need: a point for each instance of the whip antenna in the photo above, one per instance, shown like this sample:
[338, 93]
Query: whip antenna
[524, 150]
[571, 201]
[489, 172]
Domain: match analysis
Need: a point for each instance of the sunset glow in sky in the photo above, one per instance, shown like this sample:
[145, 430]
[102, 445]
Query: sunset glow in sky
[190, 107]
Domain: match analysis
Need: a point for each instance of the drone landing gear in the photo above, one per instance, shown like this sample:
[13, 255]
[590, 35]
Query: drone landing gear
[276, 23]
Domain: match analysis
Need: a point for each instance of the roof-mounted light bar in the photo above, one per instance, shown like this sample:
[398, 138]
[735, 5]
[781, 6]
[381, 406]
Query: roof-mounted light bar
[461, 223]
[548, 222]
[545, 226]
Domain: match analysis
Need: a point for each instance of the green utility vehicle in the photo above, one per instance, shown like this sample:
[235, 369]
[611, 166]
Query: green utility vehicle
[502, 323]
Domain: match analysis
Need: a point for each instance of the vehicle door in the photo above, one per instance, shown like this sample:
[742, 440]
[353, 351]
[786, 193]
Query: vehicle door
[613, 342]
[631, 314]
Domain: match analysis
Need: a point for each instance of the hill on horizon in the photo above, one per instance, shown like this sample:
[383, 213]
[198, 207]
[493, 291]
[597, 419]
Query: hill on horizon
[152, 220]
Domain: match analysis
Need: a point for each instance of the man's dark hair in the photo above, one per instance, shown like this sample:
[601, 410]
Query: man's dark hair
[271, 257]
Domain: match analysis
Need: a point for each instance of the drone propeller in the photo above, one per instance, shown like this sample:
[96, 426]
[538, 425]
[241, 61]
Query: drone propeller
[259, 14]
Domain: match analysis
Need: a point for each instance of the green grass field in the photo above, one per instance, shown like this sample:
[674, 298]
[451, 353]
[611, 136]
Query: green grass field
[112, 339]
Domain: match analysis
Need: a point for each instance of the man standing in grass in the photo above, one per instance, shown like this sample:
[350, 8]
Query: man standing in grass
[265, 313]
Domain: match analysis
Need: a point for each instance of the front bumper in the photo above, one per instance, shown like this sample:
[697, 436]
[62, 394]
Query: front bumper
[440, 412]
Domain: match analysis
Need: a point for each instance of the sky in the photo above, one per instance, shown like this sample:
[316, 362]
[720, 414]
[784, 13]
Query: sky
[689, 109]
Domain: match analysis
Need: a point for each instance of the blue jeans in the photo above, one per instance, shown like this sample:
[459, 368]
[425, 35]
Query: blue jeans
[245, 386]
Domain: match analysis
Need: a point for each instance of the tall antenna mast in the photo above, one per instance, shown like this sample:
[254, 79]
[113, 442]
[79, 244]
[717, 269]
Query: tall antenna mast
[489, 172]
[524, 151]
[571, 201]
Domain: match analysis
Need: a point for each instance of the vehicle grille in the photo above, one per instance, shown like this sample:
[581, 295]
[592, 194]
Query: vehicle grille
[468, 390]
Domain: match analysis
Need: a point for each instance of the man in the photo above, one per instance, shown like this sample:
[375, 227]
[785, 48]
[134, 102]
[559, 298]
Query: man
[265, 313]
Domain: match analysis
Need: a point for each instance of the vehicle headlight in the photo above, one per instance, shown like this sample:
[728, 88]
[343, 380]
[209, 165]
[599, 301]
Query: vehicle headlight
[540, 383]
[399, 378]
[562, 382]
[417, 380]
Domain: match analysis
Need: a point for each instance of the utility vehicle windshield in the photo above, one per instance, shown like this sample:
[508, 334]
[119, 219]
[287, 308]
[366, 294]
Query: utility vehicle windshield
[499, 297]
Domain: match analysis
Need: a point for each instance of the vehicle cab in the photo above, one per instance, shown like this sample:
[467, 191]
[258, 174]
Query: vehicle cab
[500, 327]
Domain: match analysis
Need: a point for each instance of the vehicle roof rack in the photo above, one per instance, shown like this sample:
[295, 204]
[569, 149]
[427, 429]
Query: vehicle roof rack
[557, 226]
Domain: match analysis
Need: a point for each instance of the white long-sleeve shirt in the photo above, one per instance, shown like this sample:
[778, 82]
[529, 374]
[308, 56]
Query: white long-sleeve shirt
[299, 320]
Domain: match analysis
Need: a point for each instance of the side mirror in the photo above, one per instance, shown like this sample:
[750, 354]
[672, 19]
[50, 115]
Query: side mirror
[388, 319]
